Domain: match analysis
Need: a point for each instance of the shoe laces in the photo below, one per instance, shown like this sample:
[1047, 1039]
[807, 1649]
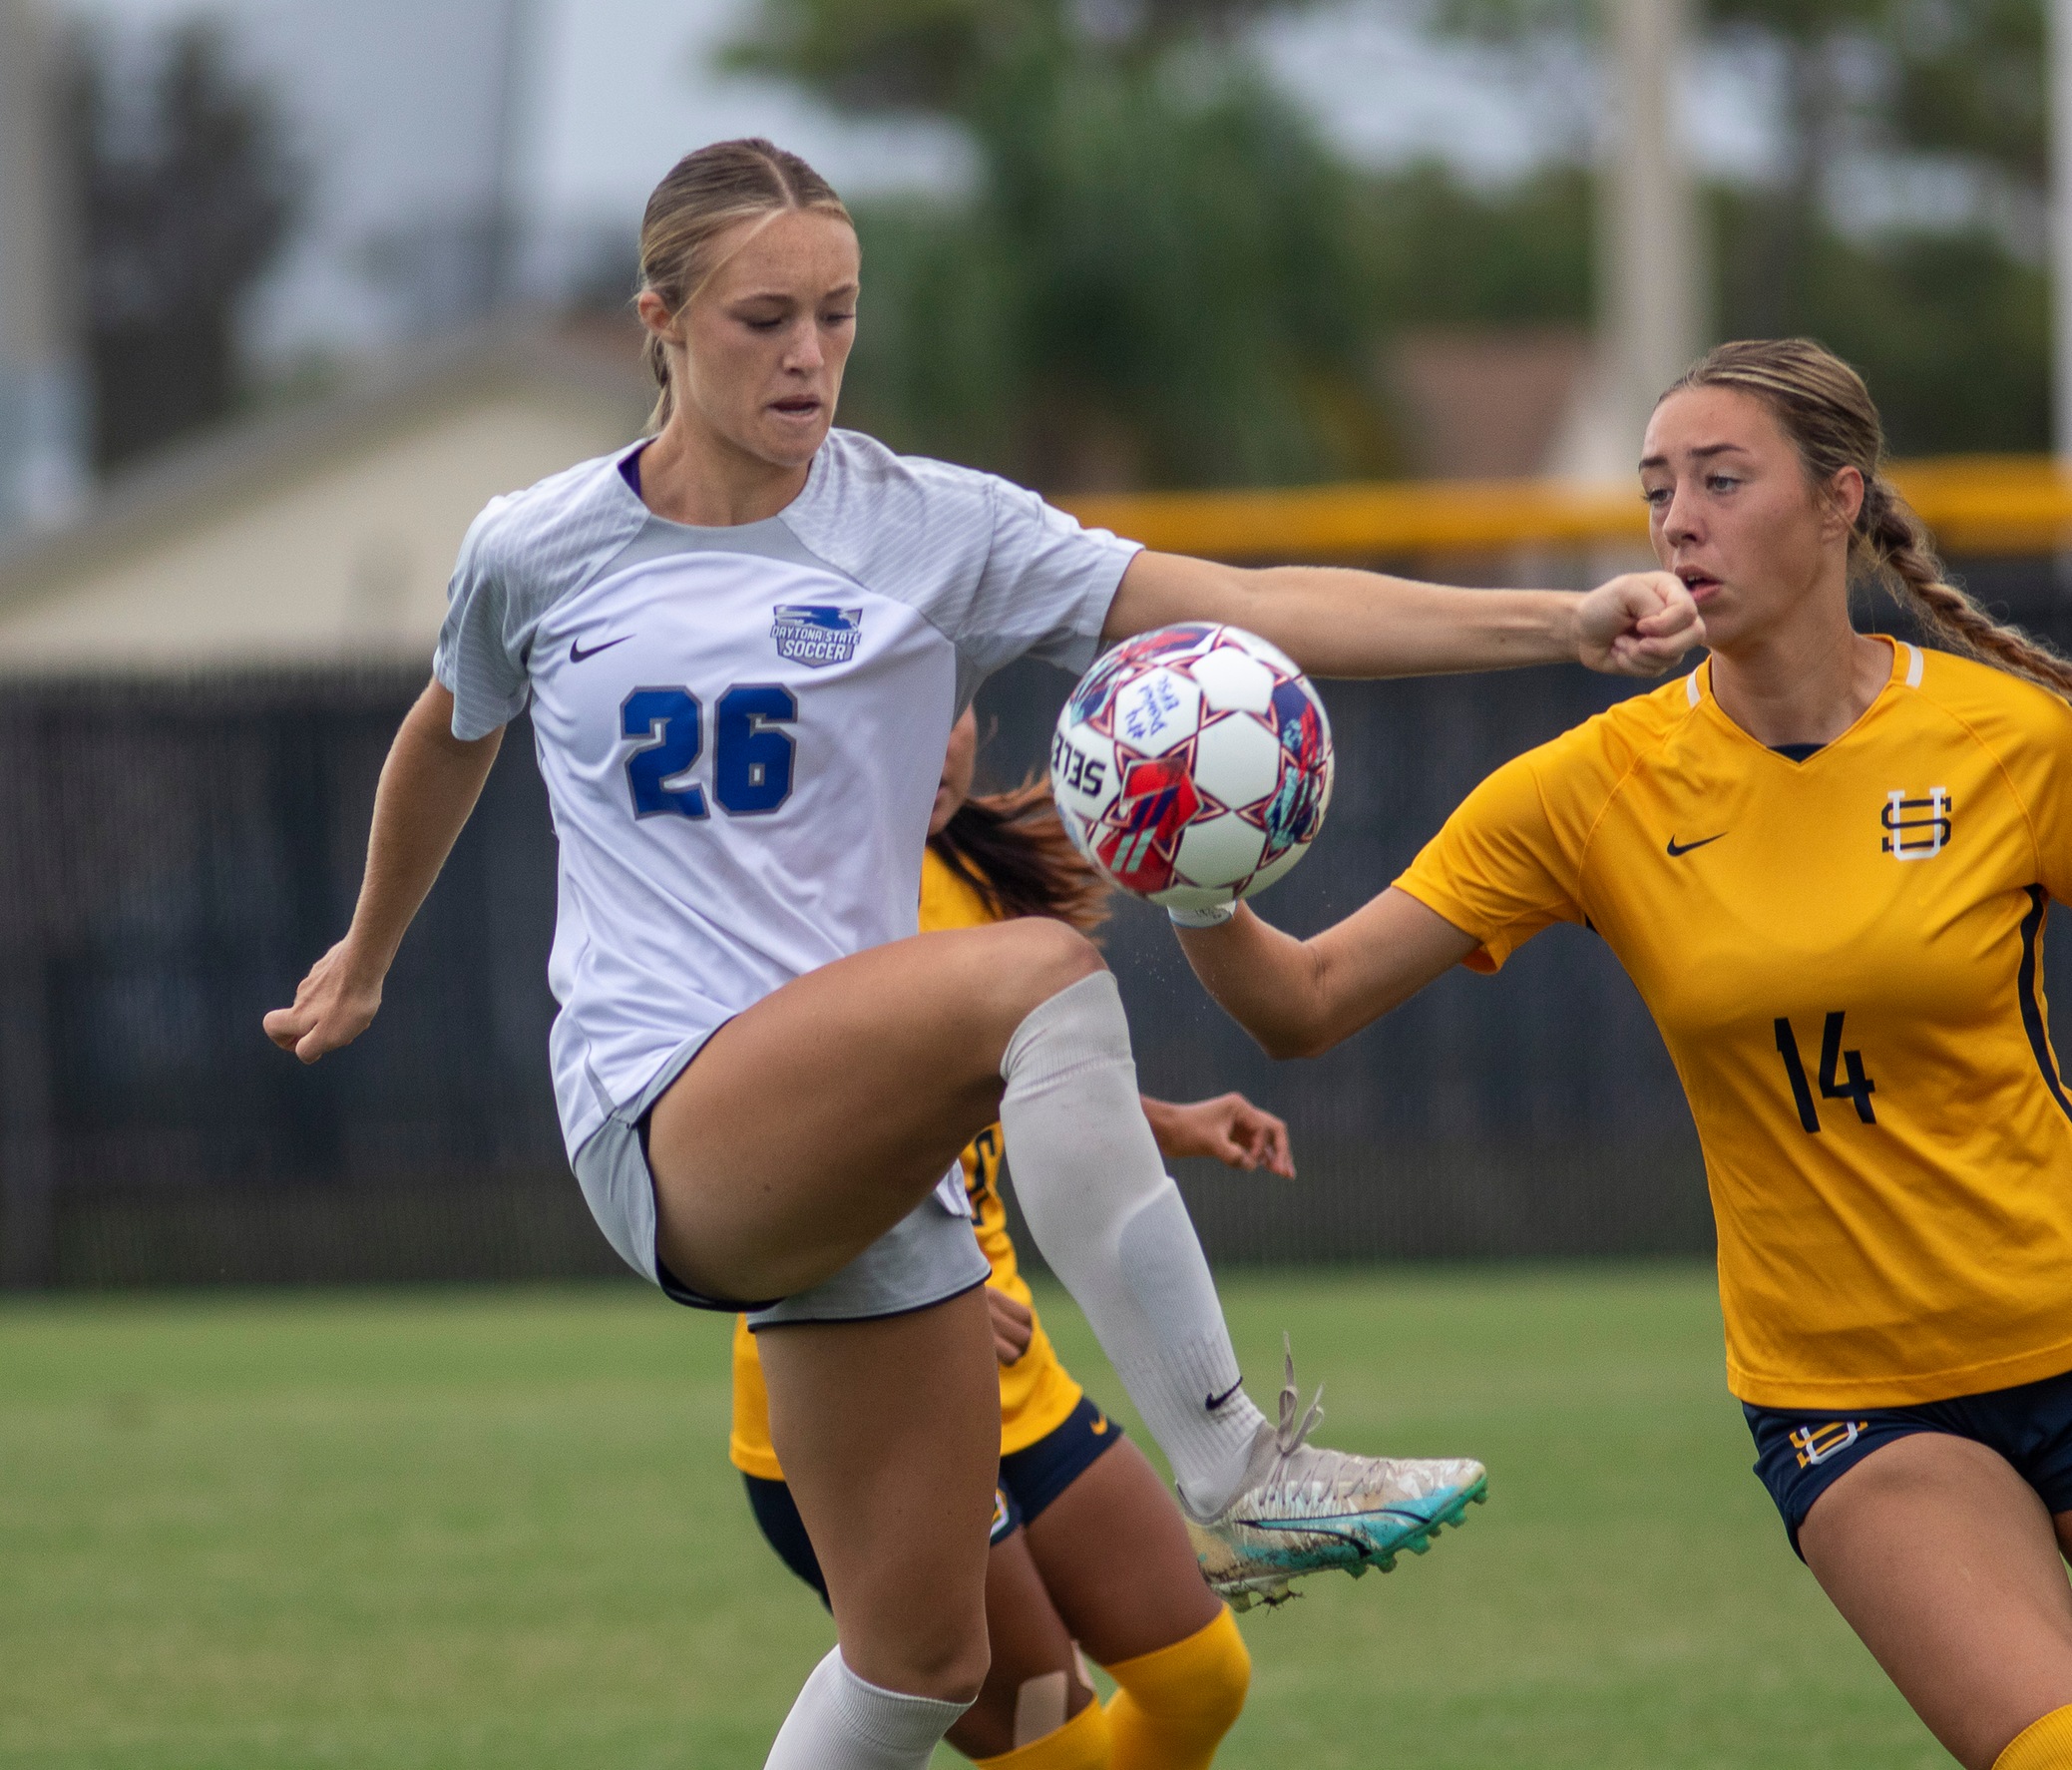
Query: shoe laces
[1312, 1474]
[1326, 1474]
[1290, 1435]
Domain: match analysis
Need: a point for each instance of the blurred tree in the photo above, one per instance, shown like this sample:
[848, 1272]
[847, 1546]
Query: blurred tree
[937, 55]
[185, 193]
[1950, 324]
[1950, 329]
[1446, 254]
[1163, 275]
[1972, 82]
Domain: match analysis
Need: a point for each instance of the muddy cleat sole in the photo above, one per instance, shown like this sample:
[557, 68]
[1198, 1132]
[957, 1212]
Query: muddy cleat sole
[1303, 1510]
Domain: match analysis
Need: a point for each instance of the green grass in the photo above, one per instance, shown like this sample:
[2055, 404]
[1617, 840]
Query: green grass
[442, 1531]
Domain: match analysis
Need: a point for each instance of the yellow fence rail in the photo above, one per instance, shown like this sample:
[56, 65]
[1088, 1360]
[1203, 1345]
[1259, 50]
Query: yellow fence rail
[1977, 505]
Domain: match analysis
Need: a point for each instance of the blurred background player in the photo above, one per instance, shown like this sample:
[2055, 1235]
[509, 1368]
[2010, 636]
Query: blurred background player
[1825, 858]
[1087, 1545]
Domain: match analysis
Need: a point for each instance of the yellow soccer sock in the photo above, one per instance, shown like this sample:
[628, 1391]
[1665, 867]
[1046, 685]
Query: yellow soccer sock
[1081, 1744]
[1175, 1705]
[2042, 1745]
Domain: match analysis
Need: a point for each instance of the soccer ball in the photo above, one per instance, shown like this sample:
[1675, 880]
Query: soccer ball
[1192, 766]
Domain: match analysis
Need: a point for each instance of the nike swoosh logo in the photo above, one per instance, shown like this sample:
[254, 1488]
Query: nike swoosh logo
[1099, 1426]
[1676, 848]
[1214, 1402]
[577, 654]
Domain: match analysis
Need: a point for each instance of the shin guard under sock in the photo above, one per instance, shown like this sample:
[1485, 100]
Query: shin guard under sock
[1081, 1744]
[840, 1722]
[1115, 1229]
[1172, 1707]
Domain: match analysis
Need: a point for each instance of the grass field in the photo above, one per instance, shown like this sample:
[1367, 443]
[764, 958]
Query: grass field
[457, 1531]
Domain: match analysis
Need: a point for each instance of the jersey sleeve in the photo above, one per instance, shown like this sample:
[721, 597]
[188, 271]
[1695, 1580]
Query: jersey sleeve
[1498, 870]
[2033, 743]
[999, 572]
[475, 660]
[1047, 584]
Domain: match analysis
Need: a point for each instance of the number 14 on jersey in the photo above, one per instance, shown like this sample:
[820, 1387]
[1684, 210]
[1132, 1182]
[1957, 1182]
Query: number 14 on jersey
[1835, 1064]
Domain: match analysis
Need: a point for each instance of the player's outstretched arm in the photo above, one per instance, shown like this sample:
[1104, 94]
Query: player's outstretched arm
[429, 785]
[1336, 621]
[1299, 998]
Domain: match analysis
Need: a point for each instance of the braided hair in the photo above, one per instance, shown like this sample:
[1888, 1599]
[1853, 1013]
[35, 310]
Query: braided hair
[1829, 414]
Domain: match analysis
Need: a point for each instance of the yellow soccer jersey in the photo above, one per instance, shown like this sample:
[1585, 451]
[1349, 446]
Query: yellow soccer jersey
[1036, 1393]
[1844, 959]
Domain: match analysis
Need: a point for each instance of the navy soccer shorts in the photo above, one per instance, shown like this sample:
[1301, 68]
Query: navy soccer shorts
[1029, 1480]
[1798, 1455]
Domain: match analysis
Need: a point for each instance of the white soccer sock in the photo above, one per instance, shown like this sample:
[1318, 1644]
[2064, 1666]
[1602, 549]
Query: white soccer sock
[839, 1722]
[1115, 1229]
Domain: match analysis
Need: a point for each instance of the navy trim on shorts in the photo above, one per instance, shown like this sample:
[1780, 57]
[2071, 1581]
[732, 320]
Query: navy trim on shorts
[1801, 1454]
[1029, 1480]
[1036, 1476]
[674, 1287]
[777, 1516]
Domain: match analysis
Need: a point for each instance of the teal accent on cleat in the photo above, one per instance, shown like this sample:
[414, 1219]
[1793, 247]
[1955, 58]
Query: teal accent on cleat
[1303, 1510]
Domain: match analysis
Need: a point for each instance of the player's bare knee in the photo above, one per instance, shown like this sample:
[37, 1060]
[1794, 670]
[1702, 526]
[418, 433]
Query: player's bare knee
[1049, 957]
[947, 1664]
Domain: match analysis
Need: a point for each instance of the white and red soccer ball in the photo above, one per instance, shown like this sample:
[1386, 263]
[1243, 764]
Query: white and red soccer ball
[1192, 766]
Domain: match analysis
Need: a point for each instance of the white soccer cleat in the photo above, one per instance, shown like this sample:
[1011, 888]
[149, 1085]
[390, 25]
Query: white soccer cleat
[1303, 1510]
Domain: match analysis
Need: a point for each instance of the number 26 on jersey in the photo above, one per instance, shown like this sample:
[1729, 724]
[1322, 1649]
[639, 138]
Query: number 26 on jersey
[752, 755]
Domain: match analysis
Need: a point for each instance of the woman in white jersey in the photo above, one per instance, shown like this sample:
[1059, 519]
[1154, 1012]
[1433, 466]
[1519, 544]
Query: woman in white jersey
[743, 671]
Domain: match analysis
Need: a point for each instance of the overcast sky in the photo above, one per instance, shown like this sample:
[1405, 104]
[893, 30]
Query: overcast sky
[392, 103]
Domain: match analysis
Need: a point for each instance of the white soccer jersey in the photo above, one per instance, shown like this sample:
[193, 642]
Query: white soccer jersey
[742, 728]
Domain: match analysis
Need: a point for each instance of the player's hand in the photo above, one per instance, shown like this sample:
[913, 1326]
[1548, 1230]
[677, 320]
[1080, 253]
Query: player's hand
[334, 1005]
[1228, 1127]
[1637, 625]
[1014, 1325]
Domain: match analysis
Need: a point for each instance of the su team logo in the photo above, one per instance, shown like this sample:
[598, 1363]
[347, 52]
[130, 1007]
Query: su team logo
[1816, 1444]
[1915, 829]
[814, 634]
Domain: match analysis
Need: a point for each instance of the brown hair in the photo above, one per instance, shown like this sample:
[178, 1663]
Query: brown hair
[705, 194]
[1011, 850]
[1833, 422]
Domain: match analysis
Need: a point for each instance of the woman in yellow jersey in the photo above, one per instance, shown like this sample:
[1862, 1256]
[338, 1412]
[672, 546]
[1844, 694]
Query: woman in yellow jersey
[1825, 858]
[1087, 1545]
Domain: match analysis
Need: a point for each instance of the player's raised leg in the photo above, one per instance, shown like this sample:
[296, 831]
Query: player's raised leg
[815, 1120]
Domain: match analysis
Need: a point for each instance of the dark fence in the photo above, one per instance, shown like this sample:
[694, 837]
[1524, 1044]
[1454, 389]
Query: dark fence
[174, 855]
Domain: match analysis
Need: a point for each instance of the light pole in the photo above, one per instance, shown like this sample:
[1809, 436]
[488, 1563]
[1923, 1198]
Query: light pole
[1649, 252]
[42, 395]
[2058, 24]
[1649, 245]
[505, 238]
[1648, 234]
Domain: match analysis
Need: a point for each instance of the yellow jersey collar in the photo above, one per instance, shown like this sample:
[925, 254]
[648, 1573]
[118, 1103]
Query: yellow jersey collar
[1694, 688]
